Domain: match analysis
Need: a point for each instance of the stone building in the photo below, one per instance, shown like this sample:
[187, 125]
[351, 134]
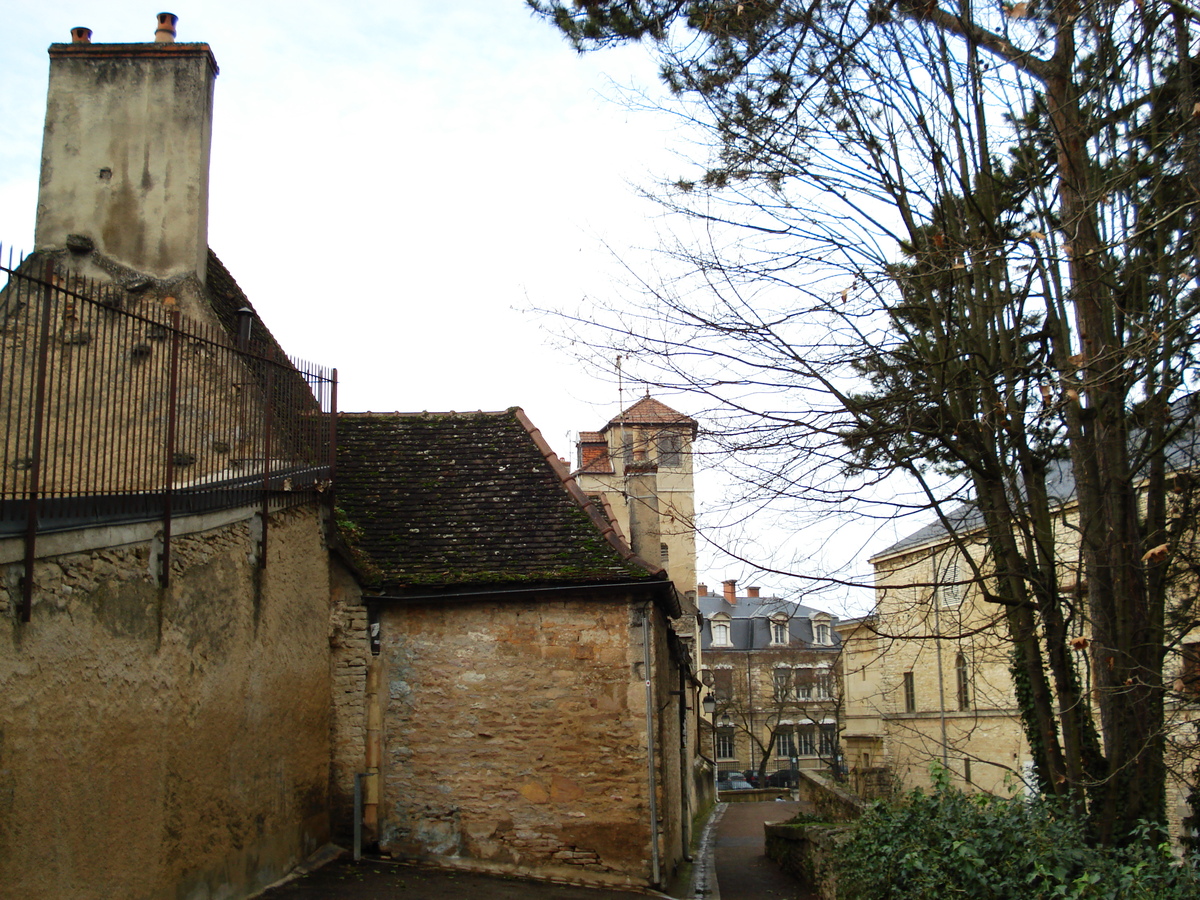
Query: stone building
[772, 666]
[527, 691]
[639, 469]
[164, 663]
[200, 653]
[640, 466]
[927, 675]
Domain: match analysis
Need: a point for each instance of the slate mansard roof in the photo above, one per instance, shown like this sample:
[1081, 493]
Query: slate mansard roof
[750, 623]
[1183, 453]
[462, 499]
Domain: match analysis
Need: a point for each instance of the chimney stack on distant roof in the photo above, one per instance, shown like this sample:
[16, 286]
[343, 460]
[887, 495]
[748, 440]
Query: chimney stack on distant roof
[165, 33]
[730, 591]
[752, 592]
[702, 590]
[81, 35]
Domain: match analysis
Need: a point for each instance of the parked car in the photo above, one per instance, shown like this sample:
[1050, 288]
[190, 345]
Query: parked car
[730, 775]
[784, 778]
[737, 784]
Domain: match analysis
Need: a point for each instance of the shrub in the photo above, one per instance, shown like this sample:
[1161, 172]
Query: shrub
[950, 844]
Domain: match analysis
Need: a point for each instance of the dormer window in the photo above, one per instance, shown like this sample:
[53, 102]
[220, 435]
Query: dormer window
[720, 631]
[821, 633]
[779, 630]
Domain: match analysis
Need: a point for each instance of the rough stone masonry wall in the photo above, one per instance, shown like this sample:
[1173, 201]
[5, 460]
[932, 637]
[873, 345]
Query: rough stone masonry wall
[350, 654]
[166, 743]
[514, 737]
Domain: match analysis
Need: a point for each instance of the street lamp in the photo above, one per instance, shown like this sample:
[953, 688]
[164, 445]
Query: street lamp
[710, 706]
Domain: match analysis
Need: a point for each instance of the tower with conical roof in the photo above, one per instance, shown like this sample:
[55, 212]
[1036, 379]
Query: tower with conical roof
[640, 466]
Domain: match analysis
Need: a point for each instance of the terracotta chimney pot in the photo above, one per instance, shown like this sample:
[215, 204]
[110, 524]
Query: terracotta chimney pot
[165, 33]
[81, 35]
[730, 591]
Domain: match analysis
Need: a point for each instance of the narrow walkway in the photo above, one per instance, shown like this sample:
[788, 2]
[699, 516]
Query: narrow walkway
[743, 870]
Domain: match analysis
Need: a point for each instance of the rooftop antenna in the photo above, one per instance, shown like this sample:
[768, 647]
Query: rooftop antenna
[620, 391]
[625, 457]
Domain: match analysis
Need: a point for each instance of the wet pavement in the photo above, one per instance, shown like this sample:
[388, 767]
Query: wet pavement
[345, 879]
[730, 865]
[743, 870]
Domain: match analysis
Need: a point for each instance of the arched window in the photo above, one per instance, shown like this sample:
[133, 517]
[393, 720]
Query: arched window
[720, 633]
[779, 629]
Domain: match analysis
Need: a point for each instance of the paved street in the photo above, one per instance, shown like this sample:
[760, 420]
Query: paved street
[375, 880]
[743, 871]
[735, 853]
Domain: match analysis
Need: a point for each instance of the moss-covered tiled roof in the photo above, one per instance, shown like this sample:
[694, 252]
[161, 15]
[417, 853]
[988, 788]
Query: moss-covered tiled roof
[471, 499]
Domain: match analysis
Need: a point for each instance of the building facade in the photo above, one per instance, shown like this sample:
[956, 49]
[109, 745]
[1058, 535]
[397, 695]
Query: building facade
[164, 608]
[526, 697]
[929, 679]
[640, 465]
[772, 669]
[927, 676]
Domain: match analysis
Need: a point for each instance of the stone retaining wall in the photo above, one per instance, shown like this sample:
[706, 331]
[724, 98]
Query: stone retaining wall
[807, 853]
[166, 742]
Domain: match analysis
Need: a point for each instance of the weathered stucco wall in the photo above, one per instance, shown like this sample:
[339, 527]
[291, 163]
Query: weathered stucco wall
[515, 737]
[125, 153]
[169, 742]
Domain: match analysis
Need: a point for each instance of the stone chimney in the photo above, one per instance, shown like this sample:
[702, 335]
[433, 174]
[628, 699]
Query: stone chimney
[702, 590]
[752, 593]
[730, 592]
[125, 151]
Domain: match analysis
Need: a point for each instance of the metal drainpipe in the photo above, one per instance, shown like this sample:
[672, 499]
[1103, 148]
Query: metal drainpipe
[370, 812]
[685, 771]
[937, 631]
[655, 875]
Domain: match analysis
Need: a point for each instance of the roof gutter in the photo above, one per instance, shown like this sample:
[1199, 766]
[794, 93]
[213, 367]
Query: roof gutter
[664, 590]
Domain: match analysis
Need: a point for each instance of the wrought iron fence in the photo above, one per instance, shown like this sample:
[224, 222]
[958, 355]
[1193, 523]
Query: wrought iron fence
[112, 415]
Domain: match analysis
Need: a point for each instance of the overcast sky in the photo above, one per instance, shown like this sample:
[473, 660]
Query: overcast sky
[394, 184]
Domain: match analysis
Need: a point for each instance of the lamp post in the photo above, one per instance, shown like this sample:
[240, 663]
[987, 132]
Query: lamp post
[710, 706]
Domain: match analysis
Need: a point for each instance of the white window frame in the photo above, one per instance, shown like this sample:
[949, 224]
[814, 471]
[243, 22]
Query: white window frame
[721, 633]
[785, 741]
[806, 740]
[782, 679]
[726, 741]
[948, 589]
